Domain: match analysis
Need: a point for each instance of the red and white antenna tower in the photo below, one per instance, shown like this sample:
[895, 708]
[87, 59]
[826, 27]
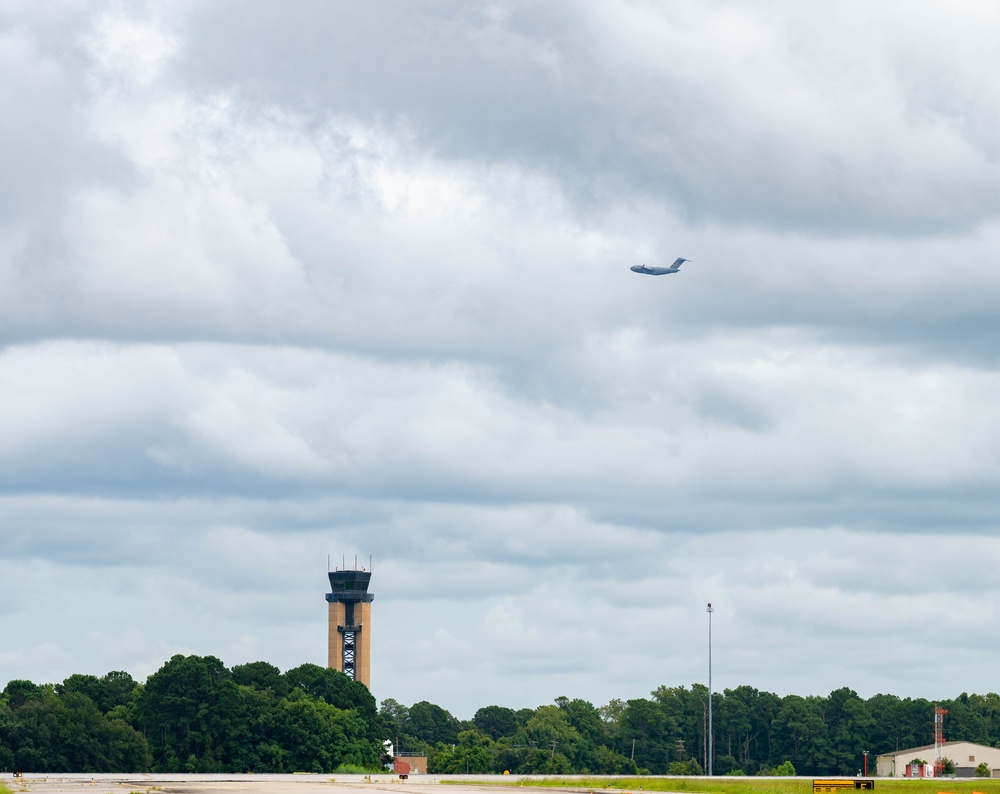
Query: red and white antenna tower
[938, 739]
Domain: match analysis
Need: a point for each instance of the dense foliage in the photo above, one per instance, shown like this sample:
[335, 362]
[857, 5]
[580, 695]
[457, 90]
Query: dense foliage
[755, 732]
[192, 715]
[196, 715]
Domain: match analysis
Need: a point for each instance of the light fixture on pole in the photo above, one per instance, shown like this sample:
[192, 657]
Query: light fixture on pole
[711, 748]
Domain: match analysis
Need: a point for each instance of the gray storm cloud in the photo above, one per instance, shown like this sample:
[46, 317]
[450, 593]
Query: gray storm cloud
[279, 283]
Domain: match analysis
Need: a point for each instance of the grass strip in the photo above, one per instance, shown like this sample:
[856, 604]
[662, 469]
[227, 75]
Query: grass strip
[722, 785]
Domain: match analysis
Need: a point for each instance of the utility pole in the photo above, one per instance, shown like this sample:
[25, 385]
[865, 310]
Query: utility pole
[704, 736]
[711, 748]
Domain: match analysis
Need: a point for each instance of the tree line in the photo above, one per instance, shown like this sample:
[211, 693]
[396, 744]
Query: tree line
[192, 715]
[197, 715]
[755, 733]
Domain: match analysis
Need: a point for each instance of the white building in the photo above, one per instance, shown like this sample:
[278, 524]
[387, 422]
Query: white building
[966, 755]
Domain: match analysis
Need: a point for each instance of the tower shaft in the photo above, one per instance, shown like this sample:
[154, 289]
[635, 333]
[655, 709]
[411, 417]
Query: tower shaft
[349, 624]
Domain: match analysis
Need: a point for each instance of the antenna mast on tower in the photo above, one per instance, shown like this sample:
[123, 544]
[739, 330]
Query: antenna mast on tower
[938, 740]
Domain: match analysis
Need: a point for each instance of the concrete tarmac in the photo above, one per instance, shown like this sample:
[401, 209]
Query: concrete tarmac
[261, 784]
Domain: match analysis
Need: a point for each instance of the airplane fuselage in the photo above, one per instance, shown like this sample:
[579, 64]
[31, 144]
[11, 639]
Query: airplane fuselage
[654, 271]
[660, 271]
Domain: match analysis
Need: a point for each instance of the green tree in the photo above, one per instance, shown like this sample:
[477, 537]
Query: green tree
[611, 712]
[496, 721]
[966, 719]
[751, 725]
[89, 685]
[686, 712]
[556, 739]
[849, 729]
[338, 690]
[254, 747]
[20, 691]
[888, 729]
[108, 692]
[262, 676]
[8, 731]
[688, 768]
[724, 764]
[592, 732]
[800, 734]
[523, 715]
[192, 713]
[334, 687]
[432, 724]
[898, 723]
[58, 734]
[644, 727]
[609, 762]
[732, 728]
[119, 688]
[472, 754]
[318, 737]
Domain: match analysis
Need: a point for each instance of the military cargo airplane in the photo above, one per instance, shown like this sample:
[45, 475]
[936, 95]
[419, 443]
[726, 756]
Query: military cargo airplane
[660, 271]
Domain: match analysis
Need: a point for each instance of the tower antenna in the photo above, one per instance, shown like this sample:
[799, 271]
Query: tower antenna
[939, 740]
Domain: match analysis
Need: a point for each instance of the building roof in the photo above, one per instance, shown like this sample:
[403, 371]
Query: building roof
[924, 747]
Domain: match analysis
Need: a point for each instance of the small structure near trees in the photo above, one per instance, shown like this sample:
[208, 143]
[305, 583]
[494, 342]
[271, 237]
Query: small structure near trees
[963, 759]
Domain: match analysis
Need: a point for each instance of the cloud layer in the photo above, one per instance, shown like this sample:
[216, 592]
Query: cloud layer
[283, 284]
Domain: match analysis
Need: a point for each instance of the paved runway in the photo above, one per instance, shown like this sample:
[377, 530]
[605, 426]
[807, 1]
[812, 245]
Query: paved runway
[257, 784]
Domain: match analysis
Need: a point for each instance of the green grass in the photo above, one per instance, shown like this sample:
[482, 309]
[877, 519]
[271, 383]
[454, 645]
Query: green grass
[4, 789]
[722, 785]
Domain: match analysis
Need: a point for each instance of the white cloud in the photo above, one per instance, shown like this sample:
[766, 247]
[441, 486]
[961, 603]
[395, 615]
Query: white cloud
[269, 297]
[127, 51]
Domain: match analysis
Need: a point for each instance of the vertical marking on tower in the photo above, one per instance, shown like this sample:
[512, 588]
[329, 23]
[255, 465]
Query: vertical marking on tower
[349, 626]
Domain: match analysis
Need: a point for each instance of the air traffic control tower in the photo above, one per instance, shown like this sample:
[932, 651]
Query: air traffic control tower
[349, 639]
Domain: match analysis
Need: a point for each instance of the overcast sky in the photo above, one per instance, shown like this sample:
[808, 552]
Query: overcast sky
[280, 281]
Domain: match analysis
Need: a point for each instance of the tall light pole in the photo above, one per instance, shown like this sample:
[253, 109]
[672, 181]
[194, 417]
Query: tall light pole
[710, 610]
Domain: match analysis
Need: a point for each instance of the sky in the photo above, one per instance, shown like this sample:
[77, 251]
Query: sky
[286, 285]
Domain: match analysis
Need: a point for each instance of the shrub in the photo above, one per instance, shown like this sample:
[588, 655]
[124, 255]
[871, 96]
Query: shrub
[689, 767]
[351, 769]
